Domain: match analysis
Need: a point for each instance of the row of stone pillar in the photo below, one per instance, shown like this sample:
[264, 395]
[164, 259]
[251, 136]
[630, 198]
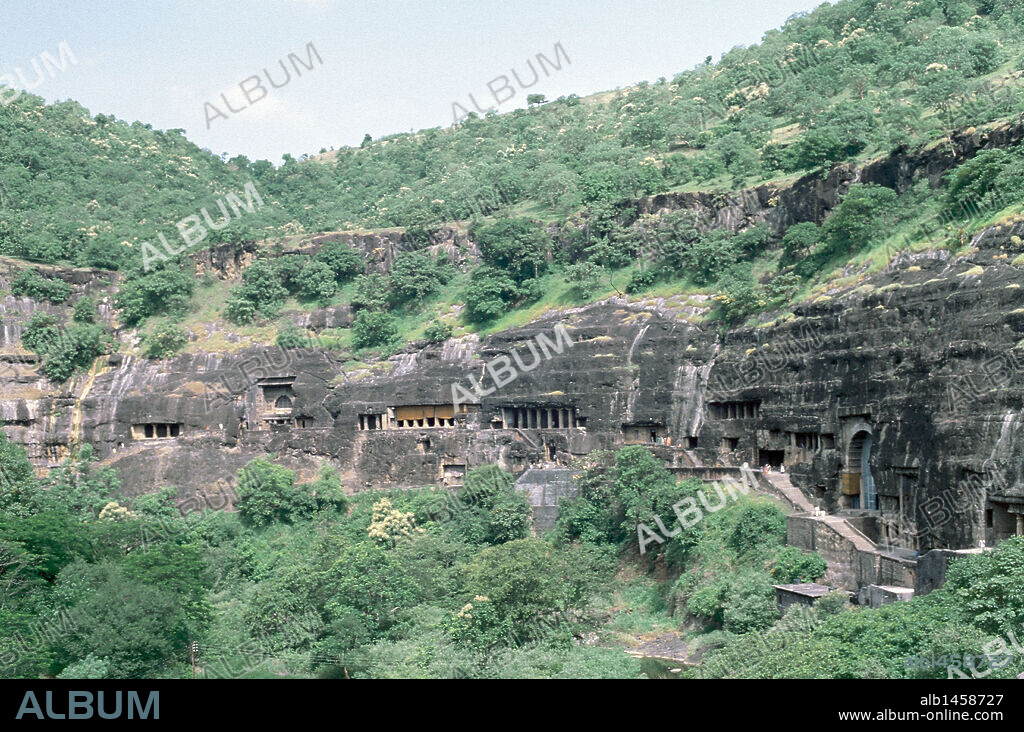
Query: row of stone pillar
[534, 418]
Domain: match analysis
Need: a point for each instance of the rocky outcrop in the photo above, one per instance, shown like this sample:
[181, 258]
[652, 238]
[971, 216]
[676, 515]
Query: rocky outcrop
[813, 196]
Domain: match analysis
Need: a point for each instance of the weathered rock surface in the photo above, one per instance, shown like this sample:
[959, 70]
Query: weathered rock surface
[900, 394]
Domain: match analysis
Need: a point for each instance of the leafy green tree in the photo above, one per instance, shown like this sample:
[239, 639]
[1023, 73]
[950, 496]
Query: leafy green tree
[585, 278]
[138, 629]
[799, 241]
[646, 130]
[516, 246]
[989, 587]
[509, 518]
[65, 349]
[267, 494]
[372, 329]
[863, 216]
[317, 282]
[758, 527]
[165, 291]
[488, 294]
[328, 491]
[750, 604]
[89, 667]
[416, 276]
[180, 569]
[367, 580]
[709, 257]
[370, 292]
[342, 258]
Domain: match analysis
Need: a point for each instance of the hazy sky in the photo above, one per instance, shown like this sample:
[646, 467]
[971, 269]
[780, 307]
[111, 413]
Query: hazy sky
[388, 66]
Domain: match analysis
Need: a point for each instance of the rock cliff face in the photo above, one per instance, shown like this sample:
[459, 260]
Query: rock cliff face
[898, 396]
[813, 196]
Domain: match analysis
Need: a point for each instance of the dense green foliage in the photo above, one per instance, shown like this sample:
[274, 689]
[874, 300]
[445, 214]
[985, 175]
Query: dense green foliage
[65, 349]
[30, 283]
[306, 581]
[849, 80]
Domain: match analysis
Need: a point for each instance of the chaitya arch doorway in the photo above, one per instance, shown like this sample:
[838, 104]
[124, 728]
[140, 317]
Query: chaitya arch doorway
[858, 487]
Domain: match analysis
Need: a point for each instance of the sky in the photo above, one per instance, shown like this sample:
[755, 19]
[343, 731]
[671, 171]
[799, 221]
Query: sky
[387, 66]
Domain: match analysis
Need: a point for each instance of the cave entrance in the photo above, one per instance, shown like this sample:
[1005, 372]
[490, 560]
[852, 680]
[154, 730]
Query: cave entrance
[858, 487]
[771, 457]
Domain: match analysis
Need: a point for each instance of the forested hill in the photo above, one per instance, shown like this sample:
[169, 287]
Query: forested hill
[851, 80]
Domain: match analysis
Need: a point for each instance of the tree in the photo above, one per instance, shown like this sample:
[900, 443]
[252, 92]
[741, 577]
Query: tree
[18, 483]
[584, 279]
[30, 283]
[516, 246]
[489, 292]
[389, 525]
[317, 282]
[709, 257]
[371, 291]
[989, 587]
[84, 310]
[267, 494]
[418, 275]
[138, 629]
[758, 526]
[342, 258]
[799, 241]
[367, 580]
[167, 290]
[863, 216]
[794, 565]
[372, 329]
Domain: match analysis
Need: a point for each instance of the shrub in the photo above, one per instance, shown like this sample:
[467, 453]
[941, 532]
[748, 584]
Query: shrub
[29, 283]
[708, 258]
[370, 292]
[864, 215]
[794, 565]
[239, 309]
[316, 282]
[750, 604]
[167, 291]
[759, 525]
[164, 341]
[584, 279]
[371, 329]
[344, 261]
[799, 241]
[416, 276]
[641, 279]
[328, 491]
[438, 331]
[261, 292]
[65, 350]
[291, 336]
[84, 310]
[516, 246]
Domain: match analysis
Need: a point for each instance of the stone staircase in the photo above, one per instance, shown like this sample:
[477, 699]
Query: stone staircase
[793, 495]
[855, 561]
